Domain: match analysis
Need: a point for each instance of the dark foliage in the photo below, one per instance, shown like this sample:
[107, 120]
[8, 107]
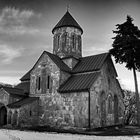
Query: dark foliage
[126, 45]
[130, 107]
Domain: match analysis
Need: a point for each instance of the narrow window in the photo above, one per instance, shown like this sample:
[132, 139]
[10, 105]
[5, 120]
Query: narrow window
[30, 113]
[58, 38]
[110, 109]
[48, 82]
[38, 82]
[43, 80]
[73, 41]
[65, 38]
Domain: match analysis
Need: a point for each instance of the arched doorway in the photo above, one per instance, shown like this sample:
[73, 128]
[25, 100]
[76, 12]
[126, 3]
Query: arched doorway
[10, 117]
[103, 109]
[3, 116]
[15, 116]
[115, 109]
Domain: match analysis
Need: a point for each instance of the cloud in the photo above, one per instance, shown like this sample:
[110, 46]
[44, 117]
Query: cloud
[9, 79]
[16, 22]
[94, 50]
[8, 54]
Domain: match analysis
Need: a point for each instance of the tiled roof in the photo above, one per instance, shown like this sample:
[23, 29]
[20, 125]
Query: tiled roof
[22, 102]
[24, 86]
[55, 59]
[79, 82]
[14, 91]
[90, 63]
[67, 21]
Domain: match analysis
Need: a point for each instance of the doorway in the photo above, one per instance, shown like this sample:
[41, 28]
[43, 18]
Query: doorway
[3, 116]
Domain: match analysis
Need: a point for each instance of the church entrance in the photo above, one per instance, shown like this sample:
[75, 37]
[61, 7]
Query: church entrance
[3, 116]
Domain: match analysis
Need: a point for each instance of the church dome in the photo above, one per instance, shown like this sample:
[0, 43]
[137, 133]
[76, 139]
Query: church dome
[67, 21]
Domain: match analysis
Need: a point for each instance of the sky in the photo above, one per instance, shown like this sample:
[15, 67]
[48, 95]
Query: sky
[26, 31]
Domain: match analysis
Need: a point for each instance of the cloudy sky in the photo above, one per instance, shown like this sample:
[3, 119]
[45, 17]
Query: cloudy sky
[26, 31]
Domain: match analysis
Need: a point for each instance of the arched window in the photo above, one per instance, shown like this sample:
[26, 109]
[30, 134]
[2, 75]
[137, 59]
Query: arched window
[48, 82]
[63, 41]
[43, 80]
[15, 117]
[103, 108]
[58, 41]
[30, 113]
[38, 82]
[110, 104]
[116, 109]
[10, 117]
[65, 38]
[73, 42]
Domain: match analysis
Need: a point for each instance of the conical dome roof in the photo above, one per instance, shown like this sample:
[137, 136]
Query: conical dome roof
[67, 21]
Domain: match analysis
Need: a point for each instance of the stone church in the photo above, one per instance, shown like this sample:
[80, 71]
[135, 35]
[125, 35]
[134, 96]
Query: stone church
[64, 89]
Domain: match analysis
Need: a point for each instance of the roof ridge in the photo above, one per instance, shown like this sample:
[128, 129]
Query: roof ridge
[86, 72]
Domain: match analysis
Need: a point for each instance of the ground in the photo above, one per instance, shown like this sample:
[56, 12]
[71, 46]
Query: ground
[115, 133]
[22, 135]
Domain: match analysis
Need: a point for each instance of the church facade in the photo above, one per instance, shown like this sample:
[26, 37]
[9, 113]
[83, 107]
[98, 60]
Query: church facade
[64, 89]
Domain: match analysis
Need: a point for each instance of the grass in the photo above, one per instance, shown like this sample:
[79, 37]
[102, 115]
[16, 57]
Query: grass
[105, 131]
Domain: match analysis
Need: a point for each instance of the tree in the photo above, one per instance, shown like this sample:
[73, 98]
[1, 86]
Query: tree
[130, 107]
[126, 49]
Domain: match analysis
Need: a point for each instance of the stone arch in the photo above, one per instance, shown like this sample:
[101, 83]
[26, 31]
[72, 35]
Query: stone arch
[103, 108]
[115, 109]
[110, 104]
[15, 117]
[10, 117]
[3, 115]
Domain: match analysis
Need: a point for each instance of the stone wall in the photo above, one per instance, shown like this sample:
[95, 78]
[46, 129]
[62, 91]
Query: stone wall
[107, 106]
[29, 114]
[63, 77]
[64, 110]
[45, 67]
[95, 111]
[104, 93]
[112, 88]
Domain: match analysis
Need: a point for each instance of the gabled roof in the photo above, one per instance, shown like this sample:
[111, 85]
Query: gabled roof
[14, 91]
[79, 82]
[90, 63]
[67, 21]
[55, 59]
[25, 86]
[22, 102]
